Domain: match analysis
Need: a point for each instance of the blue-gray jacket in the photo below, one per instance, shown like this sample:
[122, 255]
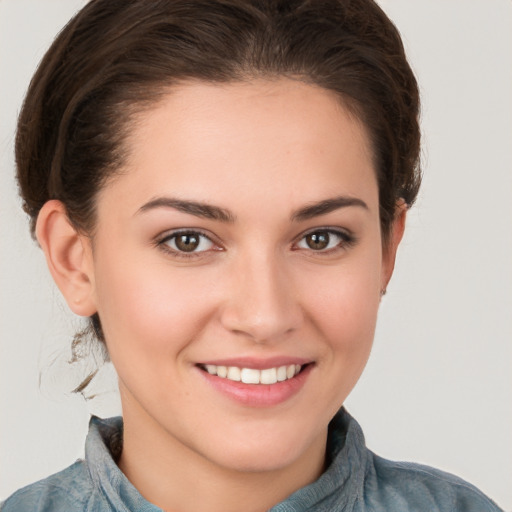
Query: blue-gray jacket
[356, 480]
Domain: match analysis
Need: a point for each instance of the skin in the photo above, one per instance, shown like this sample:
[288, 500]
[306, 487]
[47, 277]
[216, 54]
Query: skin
[261, 151]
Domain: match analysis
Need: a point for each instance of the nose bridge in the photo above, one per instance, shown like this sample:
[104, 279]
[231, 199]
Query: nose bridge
[263, 303]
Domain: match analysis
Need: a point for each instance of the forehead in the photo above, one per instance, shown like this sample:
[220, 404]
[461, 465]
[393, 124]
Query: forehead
[262, 140]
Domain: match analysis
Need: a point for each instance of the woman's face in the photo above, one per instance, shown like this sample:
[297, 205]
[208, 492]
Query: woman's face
[242, 239]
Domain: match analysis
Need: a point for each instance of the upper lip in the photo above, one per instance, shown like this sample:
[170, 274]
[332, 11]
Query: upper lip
[257, 363]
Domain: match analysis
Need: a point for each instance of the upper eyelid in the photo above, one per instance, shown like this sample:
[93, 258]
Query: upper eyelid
[348, 239]
[162, 240]
[330, 229]
[167, 235]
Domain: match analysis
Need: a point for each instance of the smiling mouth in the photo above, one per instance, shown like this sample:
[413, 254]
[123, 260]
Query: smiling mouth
[265, 376]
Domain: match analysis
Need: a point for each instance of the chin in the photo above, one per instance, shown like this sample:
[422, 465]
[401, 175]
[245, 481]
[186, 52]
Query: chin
[266, 453]
[257, 461]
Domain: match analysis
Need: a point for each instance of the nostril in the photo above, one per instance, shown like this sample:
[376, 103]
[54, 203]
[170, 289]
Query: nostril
[261, 324]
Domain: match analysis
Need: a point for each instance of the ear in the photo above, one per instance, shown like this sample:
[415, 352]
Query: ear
[69, 257]
[390, 248]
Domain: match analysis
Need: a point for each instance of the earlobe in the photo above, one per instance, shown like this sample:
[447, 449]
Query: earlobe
[68, 255]
[391, 247]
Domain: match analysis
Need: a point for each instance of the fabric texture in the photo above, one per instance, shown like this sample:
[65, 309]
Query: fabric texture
[356, 480]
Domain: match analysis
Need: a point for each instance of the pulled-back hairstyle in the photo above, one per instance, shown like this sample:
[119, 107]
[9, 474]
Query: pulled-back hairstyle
[116, 58]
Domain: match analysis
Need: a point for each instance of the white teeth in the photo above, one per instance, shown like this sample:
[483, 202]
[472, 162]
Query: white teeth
[249, 376]
[211, 369]
[253, 376]
[269, 376]
[234, 373]
[281, 373]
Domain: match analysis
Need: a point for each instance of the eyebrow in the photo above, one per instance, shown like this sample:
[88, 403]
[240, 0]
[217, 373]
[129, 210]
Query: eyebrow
[208, 211]
[326, 206]
[196, 208]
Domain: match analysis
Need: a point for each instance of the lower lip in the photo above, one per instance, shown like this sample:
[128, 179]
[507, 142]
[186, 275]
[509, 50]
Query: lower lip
[259, 395]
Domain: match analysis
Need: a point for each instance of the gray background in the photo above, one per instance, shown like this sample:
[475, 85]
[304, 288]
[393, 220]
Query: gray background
[438, 387]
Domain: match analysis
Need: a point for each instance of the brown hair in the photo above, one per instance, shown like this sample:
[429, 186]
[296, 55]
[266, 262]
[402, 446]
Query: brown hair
[116, 57]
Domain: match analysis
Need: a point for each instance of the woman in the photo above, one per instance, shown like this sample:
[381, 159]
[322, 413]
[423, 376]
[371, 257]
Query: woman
[221, 188]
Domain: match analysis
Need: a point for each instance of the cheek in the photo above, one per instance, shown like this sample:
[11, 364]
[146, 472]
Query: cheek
[149, 311]
[344, 305]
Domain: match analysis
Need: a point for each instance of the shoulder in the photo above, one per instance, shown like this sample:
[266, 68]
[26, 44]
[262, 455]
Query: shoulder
[69, 489]
[419, 487]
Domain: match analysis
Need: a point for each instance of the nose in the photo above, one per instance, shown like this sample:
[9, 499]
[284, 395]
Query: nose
[262, 302]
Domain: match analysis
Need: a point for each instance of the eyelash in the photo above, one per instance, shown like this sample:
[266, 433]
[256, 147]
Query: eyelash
[163, 242]
[346, 241]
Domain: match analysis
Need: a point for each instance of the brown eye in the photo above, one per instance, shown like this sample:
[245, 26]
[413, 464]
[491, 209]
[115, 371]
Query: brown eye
[323, 240]
[318, 240]
[188, 242]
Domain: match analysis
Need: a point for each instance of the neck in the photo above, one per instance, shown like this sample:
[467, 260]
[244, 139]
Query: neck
[176, 478]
